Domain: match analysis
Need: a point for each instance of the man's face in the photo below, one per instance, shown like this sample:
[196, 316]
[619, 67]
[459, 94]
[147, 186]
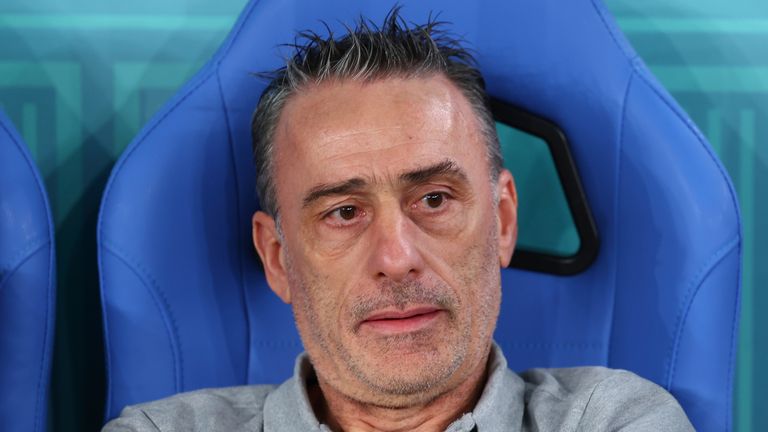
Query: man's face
[392, 235]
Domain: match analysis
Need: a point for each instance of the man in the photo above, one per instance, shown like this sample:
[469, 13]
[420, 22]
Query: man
[387, 215]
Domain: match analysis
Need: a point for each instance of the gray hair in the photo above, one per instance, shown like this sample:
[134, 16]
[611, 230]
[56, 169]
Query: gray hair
[367, 53]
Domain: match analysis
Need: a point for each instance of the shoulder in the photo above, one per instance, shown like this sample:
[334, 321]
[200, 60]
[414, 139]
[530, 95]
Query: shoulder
[597, 398]
[576, 381]
[219, 409]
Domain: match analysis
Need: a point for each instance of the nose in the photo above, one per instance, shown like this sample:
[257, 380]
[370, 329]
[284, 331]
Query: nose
[394, 250]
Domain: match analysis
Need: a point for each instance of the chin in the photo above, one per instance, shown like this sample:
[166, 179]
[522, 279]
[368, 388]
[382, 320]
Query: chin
[400, 376]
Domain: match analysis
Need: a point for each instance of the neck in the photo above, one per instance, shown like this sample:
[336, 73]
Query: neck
[342, 413]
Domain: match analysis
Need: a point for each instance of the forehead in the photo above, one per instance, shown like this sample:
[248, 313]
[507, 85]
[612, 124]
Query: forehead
[329, 132]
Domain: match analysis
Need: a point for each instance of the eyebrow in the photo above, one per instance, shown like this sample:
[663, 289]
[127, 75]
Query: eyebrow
[340, 188]
[445, 168]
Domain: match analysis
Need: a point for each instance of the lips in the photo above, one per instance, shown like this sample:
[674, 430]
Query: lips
[391, 322]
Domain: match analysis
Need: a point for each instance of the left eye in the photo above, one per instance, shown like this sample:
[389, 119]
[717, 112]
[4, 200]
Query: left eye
[433, 200]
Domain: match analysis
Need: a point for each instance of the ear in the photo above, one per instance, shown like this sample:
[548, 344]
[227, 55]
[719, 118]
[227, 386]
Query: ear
[270, 249]
[507, 216]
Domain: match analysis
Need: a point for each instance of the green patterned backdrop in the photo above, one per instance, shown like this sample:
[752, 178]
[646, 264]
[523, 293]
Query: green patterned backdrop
[80, 77]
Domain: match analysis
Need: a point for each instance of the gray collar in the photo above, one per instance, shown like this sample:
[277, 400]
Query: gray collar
[500, 407]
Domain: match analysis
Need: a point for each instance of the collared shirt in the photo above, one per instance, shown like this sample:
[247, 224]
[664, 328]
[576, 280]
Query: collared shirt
[572, 399]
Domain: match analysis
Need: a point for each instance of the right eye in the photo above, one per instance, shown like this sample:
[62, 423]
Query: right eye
[344, 215]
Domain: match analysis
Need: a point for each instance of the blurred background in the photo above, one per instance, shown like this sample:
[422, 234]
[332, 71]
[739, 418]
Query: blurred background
[80, 77]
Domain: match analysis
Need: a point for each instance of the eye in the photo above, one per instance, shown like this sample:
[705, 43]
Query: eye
[344, 215]
[433, 200]
[347, 212]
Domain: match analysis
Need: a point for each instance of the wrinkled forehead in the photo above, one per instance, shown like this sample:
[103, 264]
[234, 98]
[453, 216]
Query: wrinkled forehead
[378, 128]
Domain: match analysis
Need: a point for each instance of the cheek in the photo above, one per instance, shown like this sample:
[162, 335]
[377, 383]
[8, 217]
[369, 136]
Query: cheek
[449, 226]
[480, 276]
[316, 301]
[325, 243]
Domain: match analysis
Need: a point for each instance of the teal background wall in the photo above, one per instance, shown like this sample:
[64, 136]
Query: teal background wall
[80, 77]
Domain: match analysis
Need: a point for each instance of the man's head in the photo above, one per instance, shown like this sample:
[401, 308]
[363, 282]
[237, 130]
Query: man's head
[367, 54]
[379, 156]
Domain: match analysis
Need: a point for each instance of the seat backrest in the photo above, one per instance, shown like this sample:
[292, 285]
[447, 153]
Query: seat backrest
[27, 287]
[186, 306]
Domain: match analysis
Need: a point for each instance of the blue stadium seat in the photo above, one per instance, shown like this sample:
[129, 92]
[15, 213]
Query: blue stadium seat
[27, 288]
[185, 304]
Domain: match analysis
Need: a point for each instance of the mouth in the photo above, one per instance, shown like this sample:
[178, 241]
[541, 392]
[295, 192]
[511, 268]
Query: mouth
[392, 322]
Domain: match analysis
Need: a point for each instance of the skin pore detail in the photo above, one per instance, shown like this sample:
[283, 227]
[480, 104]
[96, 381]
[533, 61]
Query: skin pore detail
[445, 168]
[435, 197]
[392, 240]
[409, 405]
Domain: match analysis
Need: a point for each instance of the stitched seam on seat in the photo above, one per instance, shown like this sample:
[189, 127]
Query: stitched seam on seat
[106, 199]
[155, 123]
[690, 296]
[141, 139]
[41, 405]
[732, 349]
[630, 57]
[637, 65]
[220, 58]
[20, 262]
[20, 257]
[203, 76]
[243, 293]
[35, 174]
[39, 408]
[105, 331]
[238, 29]
[564, 345]
[163, 307]
[44, 358]
[617, 205]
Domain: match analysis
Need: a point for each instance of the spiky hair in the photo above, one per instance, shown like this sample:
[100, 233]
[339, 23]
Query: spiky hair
[367, 52]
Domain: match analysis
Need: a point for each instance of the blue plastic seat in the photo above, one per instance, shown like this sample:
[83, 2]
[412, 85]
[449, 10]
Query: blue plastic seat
[186, 305]
[27, 288]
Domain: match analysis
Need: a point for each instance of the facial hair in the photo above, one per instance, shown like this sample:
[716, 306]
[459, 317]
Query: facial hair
[437, 365]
